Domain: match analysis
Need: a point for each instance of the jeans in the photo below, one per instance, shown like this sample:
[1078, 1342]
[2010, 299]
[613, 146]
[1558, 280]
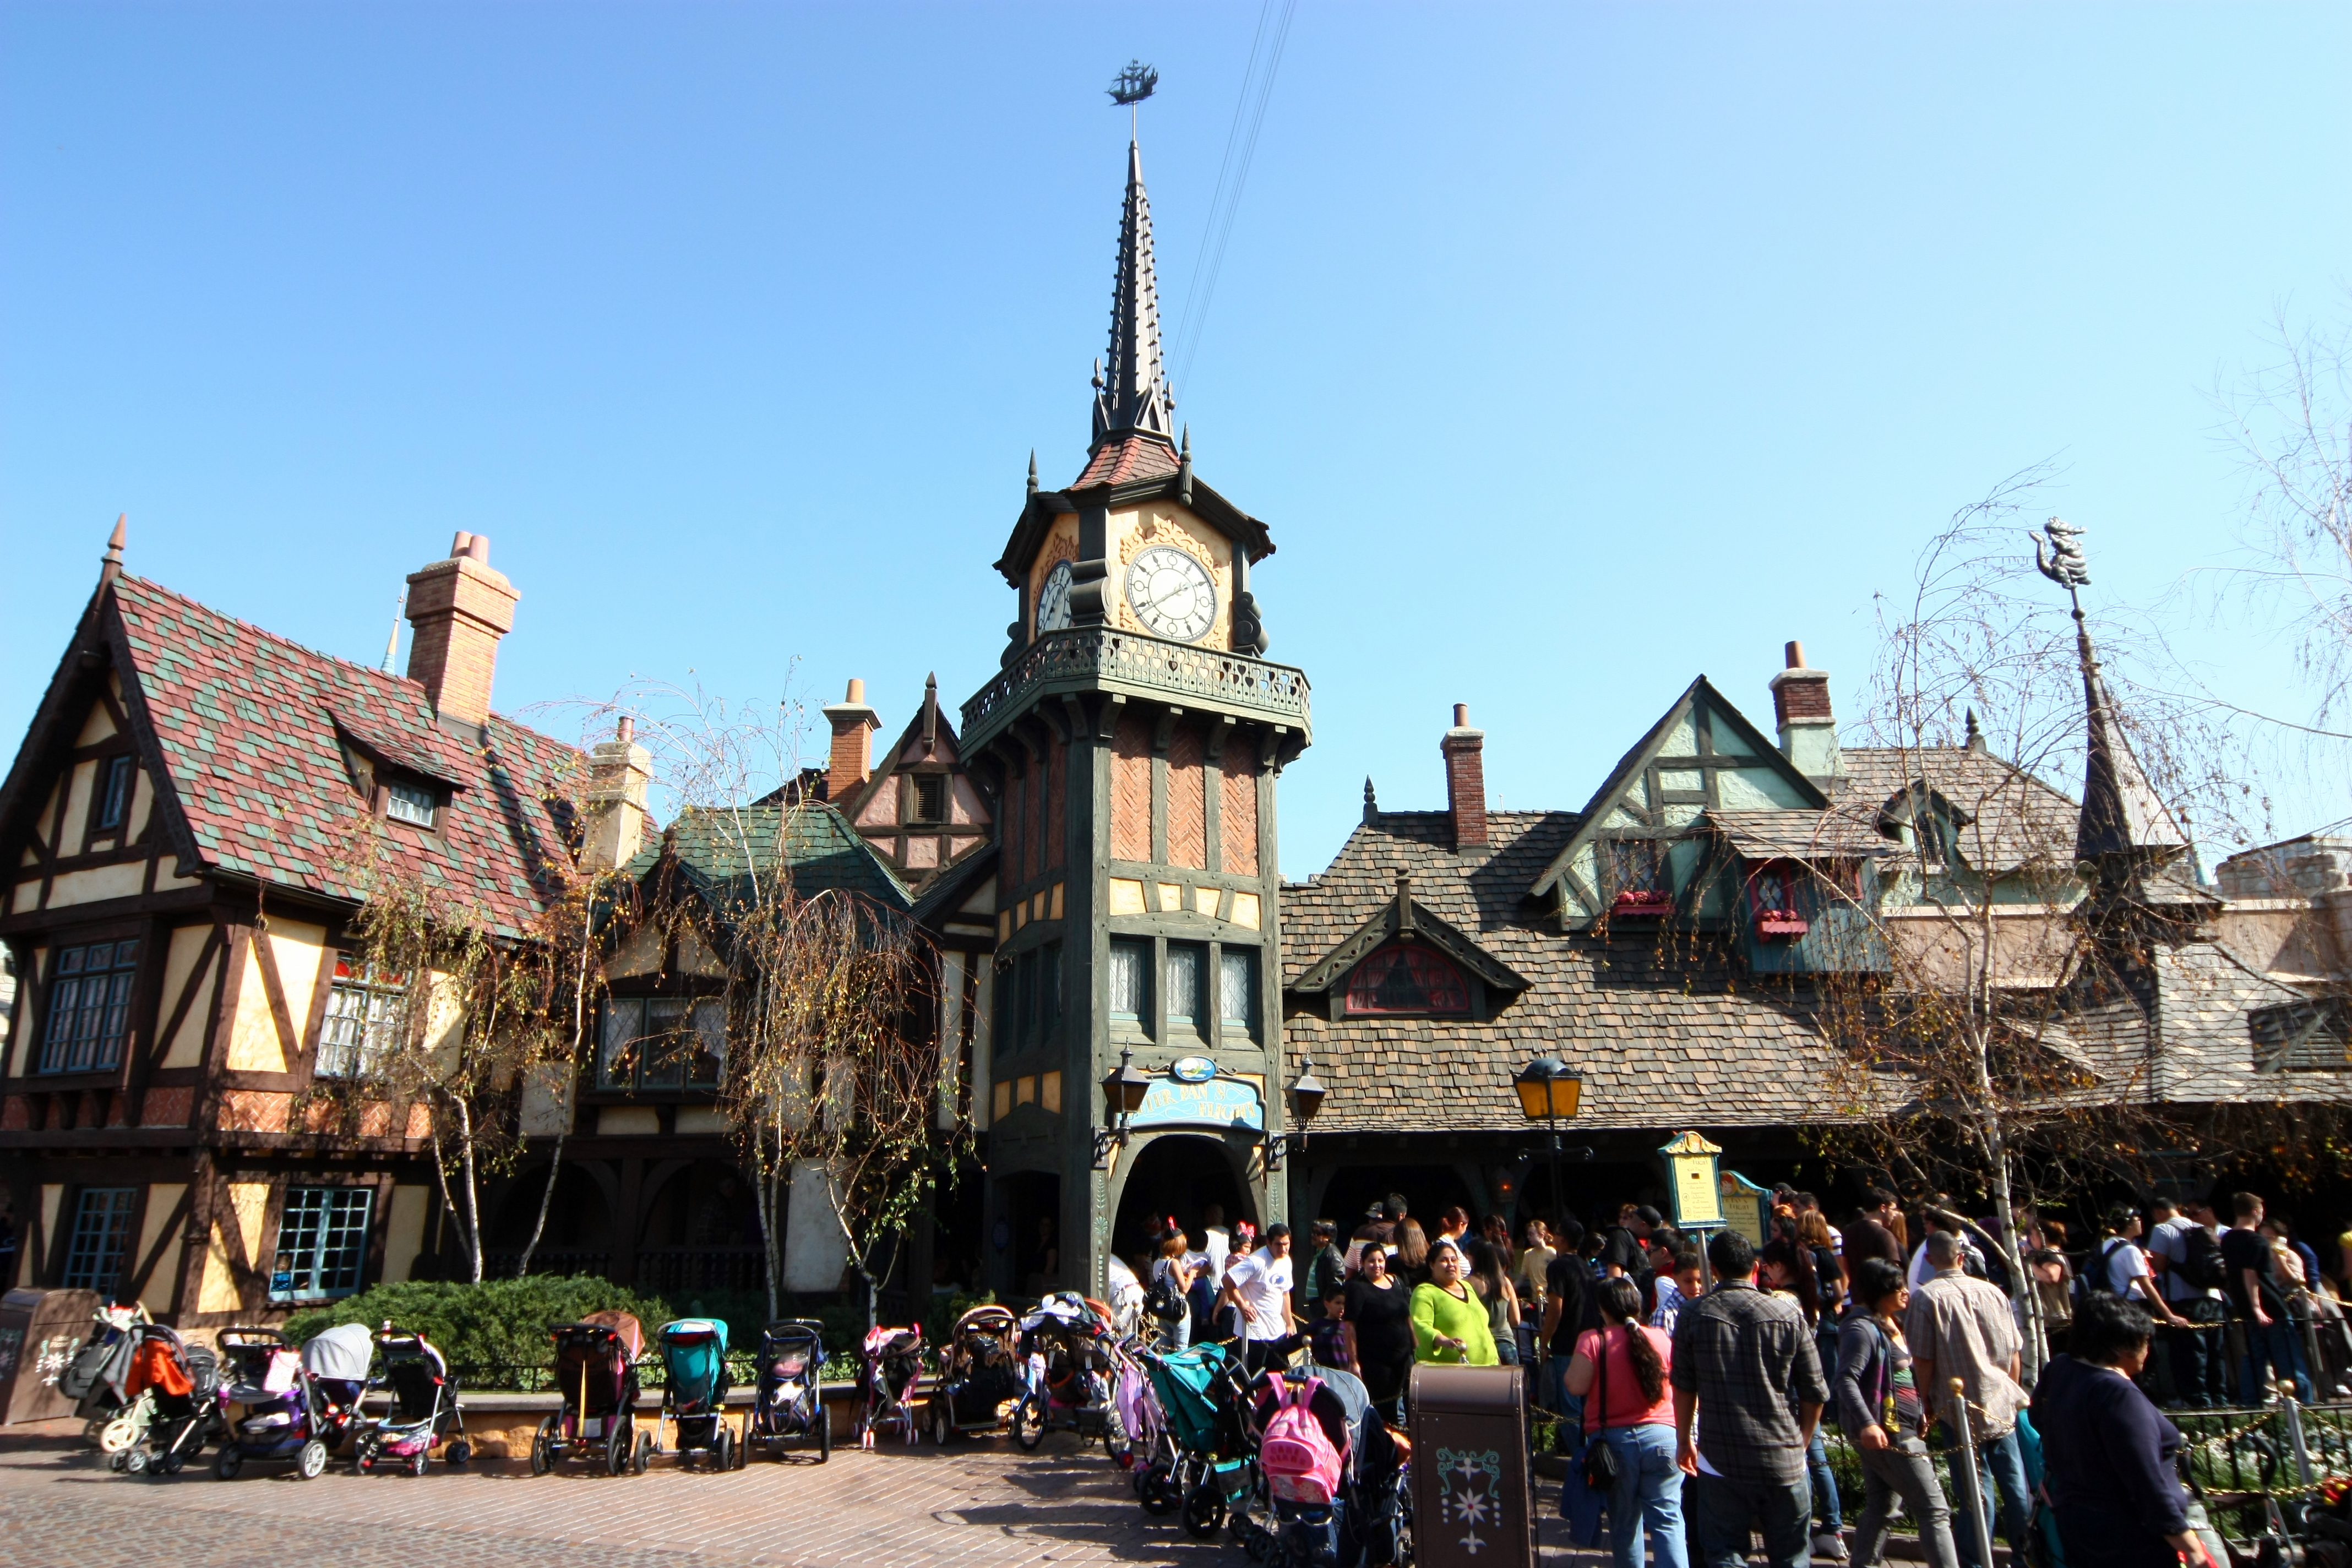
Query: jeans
[1890, 1474]
[2282, 1347]
[2200, 1369]
[1720, 1510]
[1824, 1484]
[1648, 1495]
[1999, 1461]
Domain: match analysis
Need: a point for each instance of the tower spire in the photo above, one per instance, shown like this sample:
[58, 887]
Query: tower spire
[1132, 393]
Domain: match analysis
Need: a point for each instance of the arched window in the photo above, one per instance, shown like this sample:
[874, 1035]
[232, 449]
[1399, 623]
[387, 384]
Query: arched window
[1405, 977]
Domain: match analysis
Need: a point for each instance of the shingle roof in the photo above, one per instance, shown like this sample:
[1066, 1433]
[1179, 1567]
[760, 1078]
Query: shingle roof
[1130, 457]
[2015, 818]
[725, 849]
[1661, 1041]
[1797, 835]
[246, 721]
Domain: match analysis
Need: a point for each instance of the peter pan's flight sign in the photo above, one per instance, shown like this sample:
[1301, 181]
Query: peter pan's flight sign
[1186, 1096]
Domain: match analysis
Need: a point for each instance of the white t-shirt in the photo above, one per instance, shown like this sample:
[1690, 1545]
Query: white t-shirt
[2170, 1240]
[1218, 1241]
[2120, 1263]
[1263, 1282]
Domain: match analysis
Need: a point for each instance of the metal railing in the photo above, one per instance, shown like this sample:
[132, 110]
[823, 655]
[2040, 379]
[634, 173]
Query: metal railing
[1092, 657]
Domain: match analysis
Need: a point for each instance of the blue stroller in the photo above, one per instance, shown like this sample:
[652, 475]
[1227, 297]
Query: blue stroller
[694, 1355]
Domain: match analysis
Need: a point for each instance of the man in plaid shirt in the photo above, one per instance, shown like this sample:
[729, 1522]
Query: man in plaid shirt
[1748, 1390]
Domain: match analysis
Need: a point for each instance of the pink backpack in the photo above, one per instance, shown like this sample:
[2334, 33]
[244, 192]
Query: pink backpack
[1300, 1464]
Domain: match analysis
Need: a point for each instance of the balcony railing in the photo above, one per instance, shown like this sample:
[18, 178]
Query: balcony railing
[1099, 658]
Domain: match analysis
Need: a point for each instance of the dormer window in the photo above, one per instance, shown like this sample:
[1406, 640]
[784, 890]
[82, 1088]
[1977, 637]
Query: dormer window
[1774, 899]
[930, 798]
[410, 803]
[1407, 979]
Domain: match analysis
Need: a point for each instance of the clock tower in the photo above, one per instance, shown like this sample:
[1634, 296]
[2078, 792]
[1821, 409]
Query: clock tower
[1133, 738]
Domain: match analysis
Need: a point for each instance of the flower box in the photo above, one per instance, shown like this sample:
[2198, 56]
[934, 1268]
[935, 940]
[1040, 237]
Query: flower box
[1642, 901]
[1780, 923]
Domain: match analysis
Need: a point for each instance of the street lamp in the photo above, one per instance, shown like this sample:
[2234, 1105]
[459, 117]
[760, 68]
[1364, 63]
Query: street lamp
[1306, 1098]
[1123, 1091]
[1550, 1088]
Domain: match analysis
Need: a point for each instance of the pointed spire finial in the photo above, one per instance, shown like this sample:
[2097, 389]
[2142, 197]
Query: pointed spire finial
[931, 708]
[392, 643]
[1976, 736]
[1371, 802]
[1135, 397]
[110, 566]
[1032, 470]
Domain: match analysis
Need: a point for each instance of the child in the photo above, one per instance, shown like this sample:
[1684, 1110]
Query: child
[1328, 1333]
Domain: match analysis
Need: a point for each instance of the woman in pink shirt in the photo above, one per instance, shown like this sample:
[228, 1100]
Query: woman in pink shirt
[1619, 1370]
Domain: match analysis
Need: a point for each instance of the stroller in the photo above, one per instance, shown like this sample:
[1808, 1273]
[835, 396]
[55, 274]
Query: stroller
[788, 1406]
[1068, 1368]
[886, 1374]
[596, 1374]
[296, 1407]
[1328, 1493]
[179, 1384]
[694, 1354]
[980, 1382]
[94, 1380]
[424, 1408]
[1202, 1465]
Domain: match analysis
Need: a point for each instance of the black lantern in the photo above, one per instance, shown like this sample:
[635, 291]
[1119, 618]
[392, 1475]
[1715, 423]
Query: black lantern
[1306, 1092]
[1123, 1087]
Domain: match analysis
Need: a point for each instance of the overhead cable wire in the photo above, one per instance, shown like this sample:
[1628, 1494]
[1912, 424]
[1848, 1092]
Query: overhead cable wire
[1249, 119]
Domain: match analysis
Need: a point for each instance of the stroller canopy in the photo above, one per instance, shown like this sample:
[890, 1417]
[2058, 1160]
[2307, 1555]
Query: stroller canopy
[625, 1326]
[1187, 1383]
[342, 1352]
[695, 1349]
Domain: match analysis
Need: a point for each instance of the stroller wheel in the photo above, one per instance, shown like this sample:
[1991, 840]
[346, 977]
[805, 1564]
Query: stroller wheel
[616, 1449]
[823, 1433]
[309, 1464]
[458, 1452]
[1157, 1488]
[136, 1464]
[419, 1465]
[542, 1447]
[230, 1461]
[942, 1422]
[644, 1455]
[1204, 1510]
[722, 1452]
[1029, 1424]
[169, 1465]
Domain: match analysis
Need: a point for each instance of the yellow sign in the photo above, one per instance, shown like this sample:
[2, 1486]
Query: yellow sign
[1697, 1203]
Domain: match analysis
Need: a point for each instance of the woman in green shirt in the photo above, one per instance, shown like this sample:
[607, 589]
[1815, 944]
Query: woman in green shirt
[1449, 1320]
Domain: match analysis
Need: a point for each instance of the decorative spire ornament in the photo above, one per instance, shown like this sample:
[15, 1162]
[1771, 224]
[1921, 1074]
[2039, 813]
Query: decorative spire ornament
[1134, 395]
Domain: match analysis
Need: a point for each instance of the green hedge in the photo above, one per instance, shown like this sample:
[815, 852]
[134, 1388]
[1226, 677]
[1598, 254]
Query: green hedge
[497, 1323]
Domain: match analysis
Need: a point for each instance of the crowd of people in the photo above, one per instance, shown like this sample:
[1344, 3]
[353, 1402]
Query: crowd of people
[1690, 1376]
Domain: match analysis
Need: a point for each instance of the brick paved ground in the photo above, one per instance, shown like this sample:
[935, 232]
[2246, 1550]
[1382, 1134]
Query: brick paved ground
[976, 1506]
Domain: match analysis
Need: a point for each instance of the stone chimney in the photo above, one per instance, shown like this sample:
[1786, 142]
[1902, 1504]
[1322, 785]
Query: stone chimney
[459, 608]
[852, 763]
[618, 772]
[1800, 702]
[1465, 779]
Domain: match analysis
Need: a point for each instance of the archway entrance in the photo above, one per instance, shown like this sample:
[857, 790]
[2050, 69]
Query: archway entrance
[700, 1231]
[577, 1238]
[1178, 1173]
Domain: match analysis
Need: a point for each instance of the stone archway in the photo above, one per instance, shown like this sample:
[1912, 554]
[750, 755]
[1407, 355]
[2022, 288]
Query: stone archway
[1179, 1174]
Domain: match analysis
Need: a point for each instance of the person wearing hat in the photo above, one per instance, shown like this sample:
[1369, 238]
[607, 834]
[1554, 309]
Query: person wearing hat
[1327, 1276]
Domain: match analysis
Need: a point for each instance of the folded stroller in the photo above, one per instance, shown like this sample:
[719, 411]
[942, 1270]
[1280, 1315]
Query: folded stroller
[596, 1376]
[182, 1384]
[94, 1380]
[295, 1407]
[886, 1374]
[788, 1401]
[694, 1357]
[425, 1410]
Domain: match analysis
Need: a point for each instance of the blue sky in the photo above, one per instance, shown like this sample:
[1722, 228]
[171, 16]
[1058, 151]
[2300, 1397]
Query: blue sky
[1568, 351]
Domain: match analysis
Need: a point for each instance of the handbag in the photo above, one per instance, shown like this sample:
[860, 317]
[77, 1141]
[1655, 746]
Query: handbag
[1600, 1464]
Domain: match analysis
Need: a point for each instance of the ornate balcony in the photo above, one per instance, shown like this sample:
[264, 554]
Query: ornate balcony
[1098, 658]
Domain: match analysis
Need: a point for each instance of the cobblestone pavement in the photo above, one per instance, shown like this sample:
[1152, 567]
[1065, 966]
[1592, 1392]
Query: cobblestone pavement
[976, 1506]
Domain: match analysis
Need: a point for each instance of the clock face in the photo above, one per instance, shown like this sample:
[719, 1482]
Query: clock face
[1054, 600]
[1171, 594]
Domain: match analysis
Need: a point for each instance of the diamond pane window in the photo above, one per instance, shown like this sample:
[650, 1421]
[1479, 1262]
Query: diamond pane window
[1126, 971]
[363, 1023]
[1237, 987]
[661, 1042]
[1184, 982]
[1406, 978]
[102, 1223]
[89, 1008]
[321, 1243]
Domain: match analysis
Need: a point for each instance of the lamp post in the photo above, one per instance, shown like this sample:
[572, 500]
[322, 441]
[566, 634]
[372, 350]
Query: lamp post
[1550, 1088]
[1123, 1089]
[1306, 1098]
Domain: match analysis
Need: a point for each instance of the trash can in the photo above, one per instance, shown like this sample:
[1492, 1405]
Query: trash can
[1472, 1503]
[41, 1332]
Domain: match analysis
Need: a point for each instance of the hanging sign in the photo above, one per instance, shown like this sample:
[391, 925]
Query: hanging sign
[1192, 1069]
[1215, 1102]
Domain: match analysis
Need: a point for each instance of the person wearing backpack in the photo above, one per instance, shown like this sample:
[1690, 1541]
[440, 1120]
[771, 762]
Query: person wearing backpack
[1623, 1365]
[2185, 1249]
[1880, 1405]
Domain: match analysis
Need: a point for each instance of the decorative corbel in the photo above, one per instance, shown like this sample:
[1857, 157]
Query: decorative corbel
[1223, 728]
[1164, 730]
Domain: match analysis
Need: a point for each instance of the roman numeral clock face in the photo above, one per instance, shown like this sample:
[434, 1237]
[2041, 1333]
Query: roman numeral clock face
[1171, 594]
[1054, 600]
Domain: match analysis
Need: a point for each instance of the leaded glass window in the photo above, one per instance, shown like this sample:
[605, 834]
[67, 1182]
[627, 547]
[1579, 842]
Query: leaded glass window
[90, 1007]
[101, 1226]
[321, 1243]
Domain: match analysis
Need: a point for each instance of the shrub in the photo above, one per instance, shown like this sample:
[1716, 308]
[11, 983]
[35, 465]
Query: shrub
[493, 1330]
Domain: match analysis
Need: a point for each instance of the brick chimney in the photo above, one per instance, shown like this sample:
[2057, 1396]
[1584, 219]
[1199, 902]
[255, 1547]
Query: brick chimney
[618, 772]
[459, 608]
[852, 763]
[1465, 779]
[1800, 702]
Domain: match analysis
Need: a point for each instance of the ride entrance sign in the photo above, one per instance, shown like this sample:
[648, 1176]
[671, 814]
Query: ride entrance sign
[1224, 1100]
